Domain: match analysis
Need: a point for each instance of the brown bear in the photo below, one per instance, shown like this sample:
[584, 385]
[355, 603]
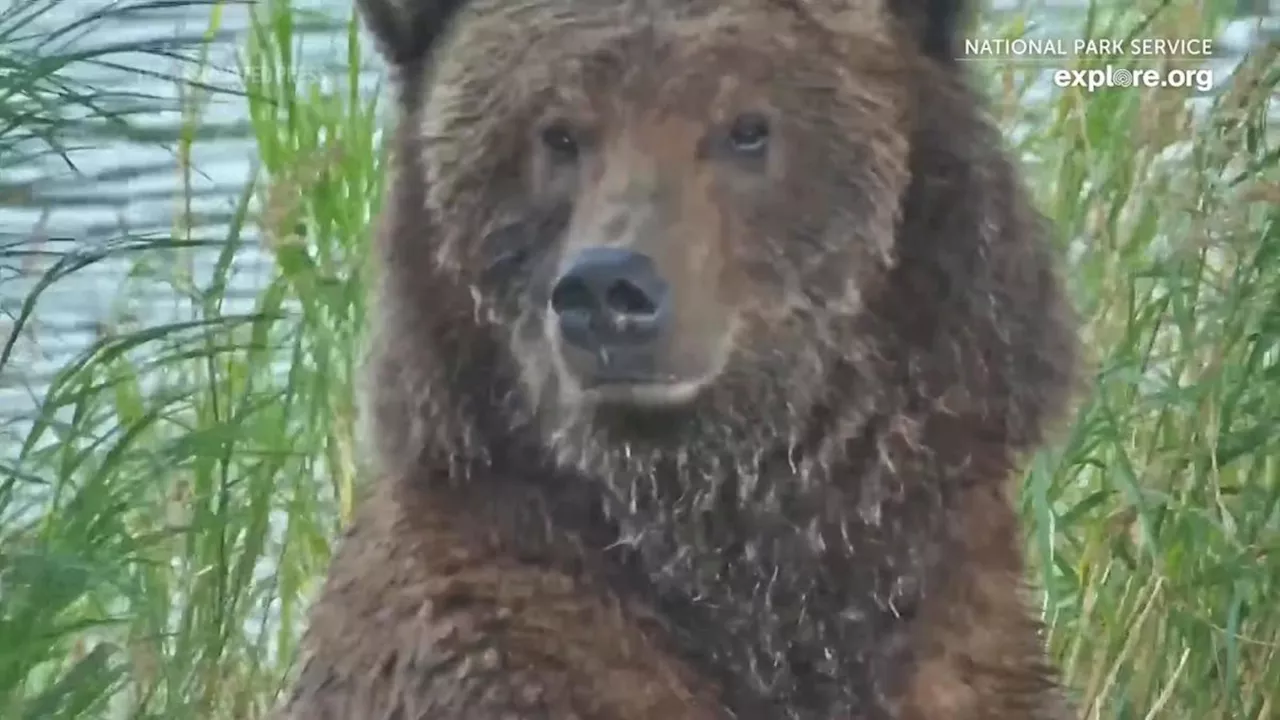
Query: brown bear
[709, 338]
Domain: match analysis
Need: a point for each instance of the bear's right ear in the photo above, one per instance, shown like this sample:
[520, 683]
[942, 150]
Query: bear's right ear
[406, 30]
[935, 24]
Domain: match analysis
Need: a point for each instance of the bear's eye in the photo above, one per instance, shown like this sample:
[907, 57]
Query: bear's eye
[749, 134]
[560, 139]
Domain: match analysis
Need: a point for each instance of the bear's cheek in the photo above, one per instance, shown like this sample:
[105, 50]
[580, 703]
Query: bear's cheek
[513, 262]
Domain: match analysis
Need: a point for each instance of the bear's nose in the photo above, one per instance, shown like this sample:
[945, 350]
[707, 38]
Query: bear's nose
[610, 296]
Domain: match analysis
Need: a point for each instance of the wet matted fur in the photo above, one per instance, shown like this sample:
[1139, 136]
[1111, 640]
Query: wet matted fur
[872, 332]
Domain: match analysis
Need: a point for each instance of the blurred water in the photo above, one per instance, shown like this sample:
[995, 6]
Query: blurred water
[135, 184]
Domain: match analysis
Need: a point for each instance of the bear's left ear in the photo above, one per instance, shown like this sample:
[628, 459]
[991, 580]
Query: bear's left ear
[406, 30]
[935, 24]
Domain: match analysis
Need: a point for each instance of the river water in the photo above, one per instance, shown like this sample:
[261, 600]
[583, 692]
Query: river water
[134, 184]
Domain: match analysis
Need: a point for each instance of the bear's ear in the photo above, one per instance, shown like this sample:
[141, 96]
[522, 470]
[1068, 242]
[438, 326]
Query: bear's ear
[406, 30]
[935, 24]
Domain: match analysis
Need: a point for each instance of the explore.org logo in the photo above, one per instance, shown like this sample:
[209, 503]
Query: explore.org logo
[1113, 77]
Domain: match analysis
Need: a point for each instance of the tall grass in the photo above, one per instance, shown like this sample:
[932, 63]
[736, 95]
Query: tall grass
[166, 516]
[1156, 528]
[172, 504]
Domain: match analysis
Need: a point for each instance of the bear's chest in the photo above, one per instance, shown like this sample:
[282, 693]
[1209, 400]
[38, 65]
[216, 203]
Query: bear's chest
[768, 620]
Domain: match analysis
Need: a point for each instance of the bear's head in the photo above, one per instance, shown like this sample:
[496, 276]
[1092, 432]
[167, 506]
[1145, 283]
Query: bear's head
[662, 222]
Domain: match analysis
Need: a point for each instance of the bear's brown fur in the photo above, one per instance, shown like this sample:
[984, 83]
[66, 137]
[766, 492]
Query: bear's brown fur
[802, 510]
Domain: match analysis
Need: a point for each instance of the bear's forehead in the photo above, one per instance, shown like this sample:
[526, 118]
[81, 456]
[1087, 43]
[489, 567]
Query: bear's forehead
[683, 51]
[660, 29]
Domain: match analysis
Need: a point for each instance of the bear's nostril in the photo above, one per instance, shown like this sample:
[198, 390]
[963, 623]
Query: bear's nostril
[572, 294]
[625, 298]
